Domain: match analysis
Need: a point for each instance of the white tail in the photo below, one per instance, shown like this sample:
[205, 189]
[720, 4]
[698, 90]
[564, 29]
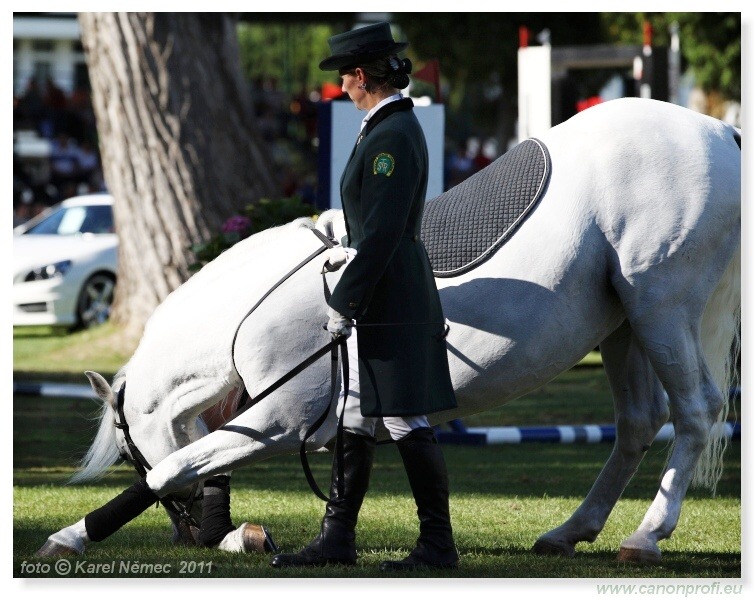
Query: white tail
[721, 342]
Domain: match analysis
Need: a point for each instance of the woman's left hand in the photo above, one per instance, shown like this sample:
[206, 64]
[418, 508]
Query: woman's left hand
[335, 258]
[338, 325]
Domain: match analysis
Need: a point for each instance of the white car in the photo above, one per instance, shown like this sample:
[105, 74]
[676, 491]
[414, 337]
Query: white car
[65, 262]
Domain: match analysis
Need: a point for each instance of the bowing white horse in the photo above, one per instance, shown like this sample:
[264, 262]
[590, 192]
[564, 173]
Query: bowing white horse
[635, 247]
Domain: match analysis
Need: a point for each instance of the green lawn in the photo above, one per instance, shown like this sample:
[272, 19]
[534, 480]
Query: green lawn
[502, 497]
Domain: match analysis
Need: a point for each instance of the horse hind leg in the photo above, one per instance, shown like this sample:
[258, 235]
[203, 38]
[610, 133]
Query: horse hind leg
[640, 410]
[696, 402]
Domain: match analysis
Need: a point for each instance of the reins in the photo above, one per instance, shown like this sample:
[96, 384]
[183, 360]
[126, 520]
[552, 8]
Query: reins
[335, 346]
[182, 510]
[332, 347]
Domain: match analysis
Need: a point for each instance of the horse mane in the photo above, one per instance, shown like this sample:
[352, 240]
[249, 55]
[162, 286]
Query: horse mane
[263, 237]
[103, 453]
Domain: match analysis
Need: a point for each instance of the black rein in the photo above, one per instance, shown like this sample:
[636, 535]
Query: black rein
[182, 510]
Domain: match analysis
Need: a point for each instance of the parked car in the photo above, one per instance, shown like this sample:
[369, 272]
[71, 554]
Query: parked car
[65, 264]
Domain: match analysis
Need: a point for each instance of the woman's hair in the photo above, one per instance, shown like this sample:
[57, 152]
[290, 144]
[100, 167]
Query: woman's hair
[384, 72]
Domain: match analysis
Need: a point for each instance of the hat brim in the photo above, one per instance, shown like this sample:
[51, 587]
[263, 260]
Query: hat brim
[338, 61]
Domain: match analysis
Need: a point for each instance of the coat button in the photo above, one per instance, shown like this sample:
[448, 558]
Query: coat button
[352, 305]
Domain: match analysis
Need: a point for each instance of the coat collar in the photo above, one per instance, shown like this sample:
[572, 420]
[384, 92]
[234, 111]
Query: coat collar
[386, 111]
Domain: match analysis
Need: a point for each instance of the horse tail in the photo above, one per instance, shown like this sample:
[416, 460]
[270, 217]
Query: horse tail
[103, 452]
[721, 343]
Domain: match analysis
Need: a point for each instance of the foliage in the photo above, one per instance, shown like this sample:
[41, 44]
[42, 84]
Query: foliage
[257, 217]
[710, 43]
[287, 54]
[480, 65]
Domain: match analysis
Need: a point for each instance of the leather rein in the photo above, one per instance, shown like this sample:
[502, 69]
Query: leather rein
[182, 510]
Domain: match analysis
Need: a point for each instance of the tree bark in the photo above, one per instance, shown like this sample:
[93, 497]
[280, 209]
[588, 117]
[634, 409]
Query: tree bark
[179, 148]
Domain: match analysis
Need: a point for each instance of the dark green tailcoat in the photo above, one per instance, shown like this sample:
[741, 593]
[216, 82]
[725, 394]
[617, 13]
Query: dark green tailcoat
[389, 287]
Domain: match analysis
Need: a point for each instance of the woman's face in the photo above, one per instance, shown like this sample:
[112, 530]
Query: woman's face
[350, 86]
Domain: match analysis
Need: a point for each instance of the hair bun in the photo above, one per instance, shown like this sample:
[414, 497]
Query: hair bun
[398, 76]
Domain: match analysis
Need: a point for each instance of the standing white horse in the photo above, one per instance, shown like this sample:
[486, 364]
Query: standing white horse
[634, 247]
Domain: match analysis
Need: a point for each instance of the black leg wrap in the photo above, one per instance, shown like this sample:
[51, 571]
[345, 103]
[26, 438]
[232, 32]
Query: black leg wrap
[216, 523]
[128, 505]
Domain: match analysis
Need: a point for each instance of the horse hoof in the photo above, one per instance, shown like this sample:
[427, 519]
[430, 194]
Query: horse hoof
[50, 549]
[256, 538]
[552, 548]
[640, 556]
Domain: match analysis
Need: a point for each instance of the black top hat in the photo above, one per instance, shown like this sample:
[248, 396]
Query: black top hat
[361, 45]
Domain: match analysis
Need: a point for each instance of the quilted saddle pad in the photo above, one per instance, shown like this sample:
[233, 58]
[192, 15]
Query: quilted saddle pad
[467, 224]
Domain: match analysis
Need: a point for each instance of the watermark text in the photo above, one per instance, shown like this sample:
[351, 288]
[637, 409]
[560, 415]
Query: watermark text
[65, 567]
[670, 589]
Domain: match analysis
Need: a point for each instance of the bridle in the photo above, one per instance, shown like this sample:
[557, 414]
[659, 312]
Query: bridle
[335, 347]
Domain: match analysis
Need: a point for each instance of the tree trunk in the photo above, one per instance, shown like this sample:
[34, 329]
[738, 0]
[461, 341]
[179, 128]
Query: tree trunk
[179, 149]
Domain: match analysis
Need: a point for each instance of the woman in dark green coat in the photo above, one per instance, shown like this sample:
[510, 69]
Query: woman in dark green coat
[388, 289]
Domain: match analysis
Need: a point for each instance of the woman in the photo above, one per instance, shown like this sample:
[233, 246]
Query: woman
[399, 361]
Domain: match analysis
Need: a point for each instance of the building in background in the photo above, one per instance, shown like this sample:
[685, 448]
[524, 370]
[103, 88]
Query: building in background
[48, 46]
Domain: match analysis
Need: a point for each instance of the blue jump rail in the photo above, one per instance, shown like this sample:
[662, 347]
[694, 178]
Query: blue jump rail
[458, 434]
[564, 434]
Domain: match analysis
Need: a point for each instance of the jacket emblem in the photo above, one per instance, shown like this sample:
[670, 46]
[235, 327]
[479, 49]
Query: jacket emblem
[384, 164]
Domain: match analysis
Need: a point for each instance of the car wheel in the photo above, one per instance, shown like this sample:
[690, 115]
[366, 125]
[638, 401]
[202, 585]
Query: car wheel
[95, 300]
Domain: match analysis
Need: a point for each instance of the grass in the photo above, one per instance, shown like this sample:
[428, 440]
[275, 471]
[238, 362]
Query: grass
[502, 497]
[40, 353]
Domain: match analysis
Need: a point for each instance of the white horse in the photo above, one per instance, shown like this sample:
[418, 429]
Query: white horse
[635, 247]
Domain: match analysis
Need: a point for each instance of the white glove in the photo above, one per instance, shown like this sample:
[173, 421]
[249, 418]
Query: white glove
[334, 259]
[338, 325]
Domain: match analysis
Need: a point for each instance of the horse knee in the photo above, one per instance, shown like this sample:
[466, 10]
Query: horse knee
[168, 476]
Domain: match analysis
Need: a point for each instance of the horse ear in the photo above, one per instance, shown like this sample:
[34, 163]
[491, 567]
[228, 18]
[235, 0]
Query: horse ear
[101, 387]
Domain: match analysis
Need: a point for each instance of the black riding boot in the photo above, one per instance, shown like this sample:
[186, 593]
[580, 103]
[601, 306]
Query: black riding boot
[428, 477]
[336, 542]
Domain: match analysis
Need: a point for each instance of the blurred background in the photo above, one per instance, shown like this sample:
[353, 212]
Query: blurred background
[196, 130]
[479, 66]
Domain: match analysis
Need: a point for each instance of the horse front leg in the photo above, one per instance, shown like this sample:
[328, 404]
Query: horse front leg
[640, 409]
[183, 428]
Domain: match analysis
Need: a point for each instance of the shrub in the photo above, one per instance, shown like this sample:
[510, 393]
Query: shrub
[257, 217]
